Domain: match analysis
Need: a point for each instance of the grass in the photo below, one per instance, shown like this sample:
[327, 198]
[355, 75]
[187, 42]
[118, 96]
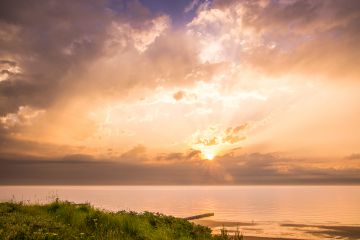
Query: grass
[65, 220]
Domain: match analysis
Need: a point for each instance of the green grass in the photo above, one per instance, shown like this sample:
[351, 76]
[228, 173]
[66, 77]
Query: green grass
[65, 220]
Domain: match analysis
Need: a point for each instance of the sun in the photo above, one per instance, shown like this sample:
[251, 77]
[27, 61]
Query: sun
[208, 154]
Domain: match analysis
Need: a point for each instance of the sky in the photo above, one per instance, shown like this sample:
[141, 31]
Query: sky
[180, 92]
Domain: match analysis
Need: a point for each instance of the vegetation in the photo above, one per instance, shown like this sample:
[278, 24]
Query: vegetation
[65, 220]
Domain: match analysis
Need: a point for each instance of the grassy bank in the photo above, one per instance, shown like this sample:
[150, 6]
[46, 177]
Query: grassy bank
[65, 220]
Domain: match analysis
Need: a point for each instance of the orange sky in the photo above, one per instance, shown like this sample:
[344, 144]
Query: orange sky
[238, 80]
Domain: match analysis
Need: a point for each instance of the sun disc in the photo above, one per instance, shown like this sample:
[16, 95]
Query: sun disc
[208, 155]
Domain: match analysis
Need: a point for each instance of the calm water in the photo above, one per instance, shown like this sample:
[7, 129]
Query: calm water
[274, 211]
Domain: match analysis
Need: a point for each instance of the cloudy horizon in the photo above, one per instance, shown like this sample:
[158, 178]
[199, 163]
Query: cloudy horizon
[188, 92]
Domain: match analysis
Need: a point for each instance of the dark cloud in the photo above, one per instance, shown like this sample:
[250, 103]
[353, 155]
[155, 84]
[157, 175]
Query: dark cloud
[6, 62]
[354, 156]
[46, 40]
[246, 169]
[179, 157]
[18, 171]
[257, 168]
[36, 150]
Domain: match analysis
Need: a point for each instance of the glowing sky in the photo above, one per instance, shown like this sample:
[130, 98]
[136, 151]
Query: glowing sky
[180, 92]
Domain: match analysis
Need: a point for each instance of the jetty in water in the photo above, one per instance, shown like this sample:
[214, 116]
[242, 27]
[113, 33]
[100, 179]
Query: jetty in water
[199, 216]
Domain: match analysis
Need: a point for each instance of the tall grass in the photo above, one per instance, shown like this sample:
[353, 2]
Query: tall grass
[65, 220]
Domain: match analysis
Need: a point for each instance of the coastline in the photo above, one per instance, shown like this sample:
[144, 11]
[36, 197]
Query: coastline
[268, 238]
[317, 231]
[84, 216]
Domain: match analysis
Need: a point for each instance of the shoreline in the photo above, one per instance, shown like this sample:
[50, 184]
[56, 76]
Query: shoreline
[60, 220]
[268, 238]
[249, 230]
[318, 231]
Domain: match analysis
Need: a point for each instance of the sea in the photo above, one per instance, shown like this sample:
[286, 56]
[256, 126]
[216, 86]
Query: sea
[295, 212]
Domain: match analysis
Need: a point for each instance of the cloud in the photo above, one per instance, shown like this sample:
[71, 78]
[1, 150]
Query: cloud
[96, 78]
[354, 156]
[62, 39]
[99, 59]
[258, 168]
[125, 34]
[136, 154]
[191, 5]
[7, 69]
[217, 136]
[253, 168]
[302, 37]
[232, 134]
[48, 39]
[24, 116]
[179, 95]
[178, 157]
[82, 171]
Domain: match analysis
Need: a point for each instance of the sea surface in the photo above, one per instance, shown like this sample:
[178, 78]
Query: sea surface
[297, 212]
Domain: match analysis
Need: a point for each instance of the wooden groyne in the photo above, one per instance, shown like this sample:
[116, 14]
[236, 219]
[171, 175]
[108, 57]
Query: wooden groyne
[199, 216]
